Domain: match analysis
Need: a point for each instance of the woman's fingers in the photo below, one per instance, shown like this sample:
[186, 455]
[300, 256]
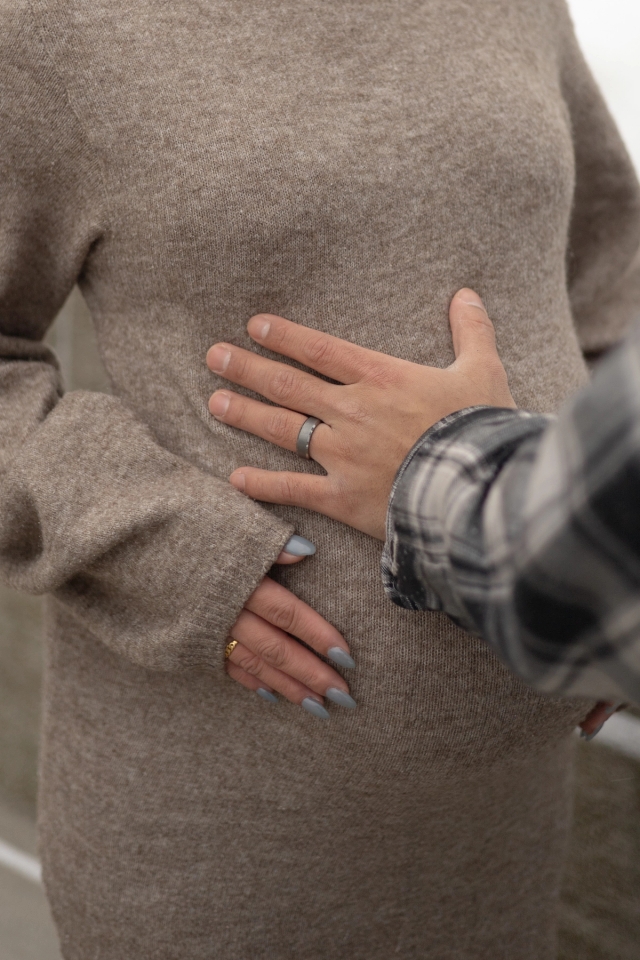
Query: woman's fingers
[250, 682]
[253, 673]
[289, 489]
[280, 382]
[278, 606]
[596, 719]
[335, 358]
[285, 559]
[290, 689]
[267, 658]
[274, 424]
[277, 651]
[296, 549]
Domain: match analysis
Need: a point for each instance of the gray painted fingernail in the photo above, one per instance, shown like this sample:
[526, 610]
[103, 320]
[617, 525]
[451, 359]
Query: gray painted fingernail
[312, 706]
[341, 657]
[341, 698]
[590, 736]
[299, 547]
[266, 695]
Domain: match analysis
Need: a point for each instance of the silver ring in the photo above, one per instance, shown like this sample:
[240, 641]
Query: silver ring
[304, 437]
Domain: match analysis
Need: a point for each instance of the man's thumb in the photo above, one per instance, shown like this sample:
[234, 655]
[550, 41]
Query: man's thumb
[471, 328]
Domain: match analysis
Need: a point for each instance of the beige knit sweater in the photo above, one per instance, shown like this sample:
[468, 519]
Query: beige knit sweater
[348, 164]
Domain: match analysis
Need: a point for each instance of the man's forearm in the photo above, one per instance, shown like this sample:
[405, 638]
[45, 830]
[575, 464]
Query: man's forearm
[436, 556]
[527, 531]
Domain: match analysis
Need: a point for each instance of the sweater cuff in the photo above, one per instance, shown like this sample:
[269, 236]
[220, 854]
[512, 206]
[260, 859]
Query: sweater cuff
[205, 632]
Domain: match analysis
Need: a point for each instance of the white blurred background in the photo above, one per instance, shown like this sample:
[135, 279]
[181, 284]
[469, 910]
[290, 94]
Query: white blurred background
[609, 32]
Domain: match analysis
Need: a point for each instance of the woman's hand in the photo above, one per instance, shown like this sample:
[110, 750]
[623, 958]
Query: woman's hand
[369, 426]
[268, 658]
[371, 419]
[596, 718]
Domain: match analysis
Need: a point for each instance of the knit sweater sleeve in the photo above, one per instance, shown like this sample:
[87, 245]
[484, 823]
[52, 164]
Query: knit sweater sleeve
[604, 241]
[155, 556]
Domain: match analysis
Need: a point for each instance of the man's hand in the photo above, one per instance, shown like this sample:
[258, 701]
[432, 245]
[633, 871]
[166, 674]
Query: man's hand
[371, 419]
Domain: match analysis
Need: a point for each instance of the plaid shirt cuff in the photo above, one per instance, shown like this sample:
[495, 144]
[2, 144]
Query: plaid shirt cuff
[431, 528]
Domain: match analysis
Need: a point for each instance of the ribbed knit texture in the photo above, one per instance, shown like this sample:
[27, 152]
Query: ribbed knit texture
[348, 164]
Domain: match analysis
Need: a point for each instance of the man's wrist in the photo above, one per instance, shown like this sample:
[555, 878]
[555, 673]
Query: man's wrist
[447, 462]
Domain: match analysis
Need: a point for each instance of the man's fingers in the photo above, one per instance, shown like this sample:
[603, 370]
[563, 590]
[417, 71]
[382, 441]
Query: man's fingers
[289, 489]
[275, 424]
[471, 328]
[342, 361]
[279, 382]
[474, 342]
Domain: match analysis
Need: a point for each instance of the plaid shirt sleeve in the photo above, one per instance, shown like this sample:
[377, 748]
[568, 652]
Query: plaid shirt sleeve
[526, 530]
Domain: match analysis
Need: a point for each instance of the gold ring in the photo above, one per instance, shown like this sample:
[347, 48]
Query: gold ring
[230, 647]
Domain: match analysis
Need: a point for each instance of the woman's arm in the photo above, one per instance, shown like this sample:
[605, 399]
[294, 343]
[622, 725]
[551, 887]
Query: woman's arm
[161, 560]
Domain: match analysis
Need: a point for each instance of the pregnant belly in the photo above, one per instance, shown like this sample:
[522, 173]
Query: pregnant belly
[434, 703]
[428, 693]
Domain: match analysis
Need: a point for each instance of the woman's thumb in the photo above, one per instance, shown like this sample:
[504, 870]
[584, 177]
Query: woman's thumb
[471, 328]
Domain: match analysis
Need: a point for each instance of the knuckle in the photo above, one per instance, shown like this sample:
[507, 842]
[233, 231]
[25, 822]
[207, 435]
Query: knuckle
[250, 662]
[284, 383]
[382, 376]
[274, 651]
[353, 409]
[319, 349]
[278, 427]
[283, 615]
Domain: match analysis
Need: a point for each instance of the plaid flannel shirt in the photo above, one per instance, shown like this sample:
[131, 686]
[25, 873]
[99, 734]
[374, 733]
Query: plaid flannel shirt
[526, 530]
